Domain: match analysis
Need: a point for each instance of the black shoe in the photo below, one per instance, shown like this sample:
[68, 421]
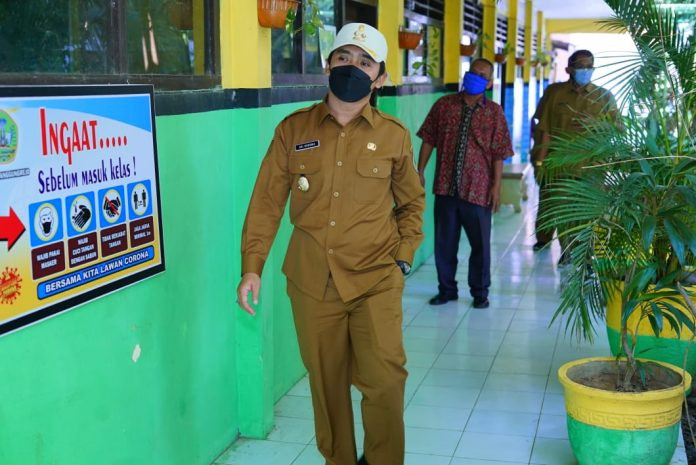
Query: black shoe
[539, 245]
[481, 302]
[441, 299]
[363, 461]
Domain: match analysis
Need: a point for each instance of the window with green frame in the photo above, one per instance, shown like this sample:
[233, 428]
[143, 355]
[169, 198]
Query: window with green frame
[425, 61]
[108, 37]
[305, 52]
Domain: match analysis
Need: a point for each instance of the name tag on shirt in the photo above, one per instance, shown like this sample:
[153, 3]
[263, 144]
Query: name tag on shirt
[307, 145]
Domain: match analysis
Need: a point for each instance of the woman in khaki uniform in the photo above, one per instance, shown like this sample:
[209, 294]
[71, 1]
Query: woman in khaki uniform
[356, 205]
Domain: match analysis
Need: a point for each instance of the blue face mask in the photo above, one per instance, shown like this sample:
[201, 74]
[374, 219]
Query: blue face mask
[474, 84]
[583, 76]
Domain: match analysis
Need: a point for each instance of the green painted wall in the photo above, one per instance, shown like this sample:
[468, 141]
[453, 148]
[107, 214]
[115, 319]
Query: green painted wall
[70, 393]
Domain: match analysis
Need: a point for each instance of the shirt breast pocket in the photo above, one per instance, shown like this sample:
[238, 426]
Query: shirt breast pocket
[565, 117]
[373, 182]
[309, 167]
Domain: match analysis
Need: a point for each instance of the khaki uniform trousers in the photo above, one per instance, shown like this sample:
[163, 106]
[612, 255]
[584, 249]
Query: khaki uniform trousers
[546, 235]
[358, 342]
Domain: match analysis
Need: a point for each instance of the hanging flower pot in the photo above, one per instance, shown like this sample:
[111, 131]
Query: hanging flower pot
[180, 14]
[500, 58]
[409, 40]
[272, 13]
[467, 50]
[519, 61]
[533, 63]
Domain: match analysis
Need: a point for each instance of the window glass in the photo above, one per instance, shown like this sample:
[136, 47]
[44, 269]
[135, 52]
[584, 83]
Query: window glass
[62, 36]
[304, 53]
[106, 36]
[316, 46]
[415, 58]
[160, 36]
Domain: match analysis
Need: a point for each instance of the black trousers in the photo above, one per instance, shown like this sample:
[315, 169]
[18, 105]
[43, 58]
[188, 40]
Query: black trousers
[451, 214]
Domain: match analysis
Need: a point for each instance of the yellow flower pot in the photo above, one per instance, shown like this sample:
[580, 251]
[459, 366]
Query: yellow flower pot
[621, 428]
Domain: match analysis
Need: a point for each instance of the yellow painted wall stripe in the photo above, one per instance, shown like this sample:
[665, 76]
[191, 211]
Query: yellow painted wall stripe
[245, 46]
[390, 15]
[511, 69]
[540, 41]
[568, 26]
[489, 28]
[528, 10]
[452, 37]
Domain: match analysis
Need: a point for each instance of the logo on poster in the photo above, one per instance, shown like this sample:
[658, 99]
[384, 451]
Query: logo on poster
[10, 285]
[8, 138]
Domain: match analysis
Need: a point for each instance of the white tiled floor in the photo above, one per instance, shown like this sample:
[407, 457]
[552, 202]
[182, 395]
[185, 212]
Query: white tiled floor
[482, 386]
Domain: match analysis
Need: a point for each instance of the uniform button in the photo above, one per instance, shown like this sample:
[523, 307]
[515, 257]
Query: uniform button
[335, 194]
[301, 167]
[374, 170]
[330, 251]
[332, 223]
[340, 163]
[343, 134]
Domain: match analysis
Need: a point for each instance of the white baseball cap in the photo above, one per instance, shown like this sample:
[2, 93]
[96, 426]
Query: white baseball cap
[364, 36]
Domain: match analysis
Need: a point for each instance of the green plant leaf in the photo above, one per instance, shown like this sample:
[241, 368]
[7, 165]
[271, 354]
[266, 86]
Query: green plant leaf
[676, 240]
[656, 318]
[649, 225]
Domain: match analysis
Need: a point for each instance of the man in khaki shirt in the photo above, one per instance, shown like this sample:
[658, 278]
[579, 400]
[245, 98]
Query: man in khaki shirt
[356, 204]
[561, 110]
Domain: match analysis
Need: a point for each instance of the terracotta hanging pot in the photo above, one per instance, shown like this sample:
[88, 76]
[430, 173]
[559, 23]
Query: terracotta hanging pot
[519, 61]
[272, 13]
[500, 58]
[409, 40]
[467, 50]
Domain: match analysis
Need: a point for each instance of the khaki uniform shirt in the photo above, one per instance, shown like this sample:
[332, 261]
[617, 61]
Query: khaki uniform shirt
[363, 209]
[563, 107]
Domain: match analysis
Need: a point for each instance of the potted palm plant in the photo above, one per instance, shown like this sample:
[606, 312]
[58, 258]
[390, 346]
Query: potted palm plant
[630, 212]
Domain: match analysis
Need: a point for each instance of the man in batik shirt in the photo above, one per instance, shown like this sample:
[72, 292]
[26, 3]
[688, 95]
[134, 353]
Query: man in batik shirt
[472, 140]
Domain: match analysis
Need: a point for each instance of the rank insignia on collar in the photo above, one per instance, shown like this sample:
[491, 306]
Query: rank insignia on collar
[312, 144]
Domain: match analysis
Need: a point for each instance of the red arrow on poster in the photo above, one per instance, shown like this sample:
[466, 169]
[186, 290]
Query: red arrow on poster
[11, 228]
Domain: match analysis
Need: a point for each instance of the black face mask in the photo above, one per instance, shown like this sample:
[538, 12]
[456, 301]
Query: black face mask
[349, 83]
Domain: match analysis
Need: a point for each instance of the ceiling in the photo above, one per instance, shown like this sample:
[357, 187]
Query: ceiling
[563, 9]
[573, 9]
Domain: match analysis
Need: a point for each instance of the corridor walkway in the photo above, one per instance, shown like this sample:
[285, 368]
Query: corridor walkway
[482, 386]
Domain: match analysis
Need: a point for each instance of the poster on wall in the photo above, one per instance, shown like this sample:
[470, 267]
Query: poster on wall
[79, 197]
